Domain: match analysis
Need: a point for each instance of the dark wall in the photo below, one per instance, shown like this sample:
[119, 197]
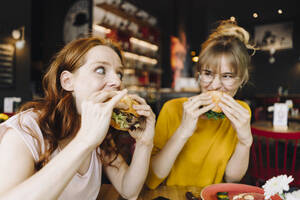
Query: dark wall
[15, 14]
[48, 19]
[47, 36]
[267, 77]
[48, 22]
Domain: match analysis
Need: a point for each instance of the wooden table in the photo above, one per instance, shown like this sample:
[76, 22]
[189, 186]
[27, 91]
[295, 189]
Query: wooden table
[274, 151]
[293, 127]
[108, 192]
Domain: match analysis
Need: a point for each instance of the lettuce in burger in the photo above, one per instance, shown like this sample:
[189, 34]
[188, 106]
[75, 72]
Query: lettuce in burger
[216, 112]
[126, 119]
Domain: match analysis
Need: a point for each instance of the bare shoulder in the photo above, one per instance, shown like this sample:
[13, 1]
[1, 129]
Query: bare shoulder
[13, 141]
[16, 161]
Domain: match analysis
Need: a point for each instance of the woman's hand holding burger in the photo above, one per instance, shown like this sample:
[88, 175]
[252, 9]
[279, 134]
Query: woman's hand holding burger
[145, 133]
[96, 114]
[192, 109]
[239, 117]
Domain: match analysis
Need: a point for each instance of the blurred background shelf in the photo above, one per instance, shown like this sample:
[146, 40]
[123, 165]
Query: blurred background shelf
[128, 25]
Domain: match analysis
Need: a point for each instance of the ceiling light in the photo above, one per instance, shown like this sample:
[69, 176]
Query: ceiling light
[143, 43]
[19, 35]
[101, 29]
[255, 15]
[232, 18]
[143, 59]
[279, 11]
[16, 34]
[129, 71]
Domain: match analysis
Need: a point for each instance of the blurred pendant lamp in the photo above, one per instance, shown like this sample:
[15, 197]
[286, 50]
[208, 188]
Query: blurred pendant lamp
[18, 34]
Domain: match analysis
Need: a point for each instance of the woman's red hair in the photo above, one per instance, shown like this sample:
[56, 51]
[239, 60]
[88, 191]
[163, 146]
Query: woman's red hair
[57, 114]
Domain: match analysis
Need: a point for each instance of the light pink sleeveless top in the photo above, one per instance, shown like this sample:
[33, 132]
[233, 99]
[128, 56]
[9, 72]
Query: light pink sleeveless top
[81, 187]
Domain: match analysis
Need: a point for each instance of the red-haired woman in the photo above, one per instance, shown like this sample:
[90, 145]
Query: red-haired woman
[49, 149]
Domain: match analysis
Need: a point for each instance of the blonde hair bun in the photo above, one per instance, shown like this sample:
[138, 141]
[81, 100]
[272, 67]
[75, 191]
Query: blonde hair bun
[230, 28]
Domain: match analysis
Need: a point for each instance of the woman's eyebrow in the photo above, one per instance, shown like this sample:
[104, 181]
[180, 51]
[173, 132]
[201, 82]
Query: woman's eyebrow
[207, 70]
[101, 62]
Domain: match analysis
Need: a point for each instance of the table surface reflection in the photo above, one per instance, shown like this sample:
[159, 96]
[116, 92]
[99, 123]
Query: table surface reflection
[108, 192]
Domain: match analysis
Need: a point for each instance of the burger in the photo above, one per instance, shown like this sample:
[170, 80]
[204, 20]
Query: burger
[216, 112]
[124, 117]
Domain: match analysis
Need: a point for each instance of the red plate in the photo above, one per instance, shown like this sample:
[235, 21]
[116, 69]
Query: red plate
[210, 192]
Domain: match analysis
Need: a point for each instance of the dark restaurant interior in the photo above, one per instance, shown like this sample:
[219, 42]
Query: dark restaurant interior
[45, 26]
[44, 20]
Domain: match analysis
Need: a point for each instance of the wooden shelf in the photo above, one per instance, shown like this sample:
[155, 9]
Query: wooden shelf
[151, 73]
[120, 13]
[127, 32]
[140, 54]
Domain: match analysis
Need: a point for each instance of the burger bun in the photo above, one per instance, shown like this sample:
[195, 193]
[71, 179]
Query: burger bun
[216, 98]
[129, 102]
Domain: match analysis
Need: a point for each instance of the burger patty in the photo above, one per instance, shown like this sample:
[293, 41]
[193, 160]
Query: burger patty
[126, 120]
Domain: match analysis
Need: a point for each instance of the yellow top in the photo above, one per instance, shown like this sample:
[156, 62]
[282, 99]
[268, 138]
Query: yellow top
[204, 157]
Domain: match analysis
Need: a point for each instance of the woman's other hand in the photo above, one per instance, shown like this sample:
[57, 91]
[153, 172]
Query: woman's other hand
[144, 134]
[239, 117]
[192, 109]
[96, 115]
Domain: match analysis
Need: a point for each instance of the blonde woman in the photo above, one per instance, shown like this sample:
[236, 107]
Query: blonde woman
[190, 149]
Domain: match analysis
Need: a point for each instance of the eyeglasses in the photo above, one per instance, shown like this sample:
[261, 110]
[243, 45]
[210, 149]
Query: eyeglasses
[227, 79]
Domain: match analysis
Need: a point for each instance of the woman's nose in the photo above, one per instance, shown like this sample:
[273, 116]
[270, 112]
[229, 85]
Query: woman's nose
[114, 81]
[216, 83]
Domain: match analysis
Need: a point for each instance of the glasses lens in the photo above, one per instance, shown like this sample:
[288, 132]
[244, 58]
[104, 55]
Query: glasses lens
[207, 78]
[229, 81]
[226, 80]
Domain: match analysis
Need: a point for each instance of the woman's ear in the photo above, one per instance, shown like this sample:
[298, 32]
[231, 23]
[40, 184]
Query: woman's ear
[66, 80]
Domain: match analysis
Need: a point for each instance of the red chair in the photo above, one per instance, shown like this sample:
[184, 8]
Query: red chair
[274, 153]
[259, 114]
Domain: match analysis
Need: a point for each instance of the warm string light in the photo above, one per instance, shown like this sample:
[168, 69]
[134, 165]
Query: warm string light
[255, 14]
[232, 18]
[193, 53]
